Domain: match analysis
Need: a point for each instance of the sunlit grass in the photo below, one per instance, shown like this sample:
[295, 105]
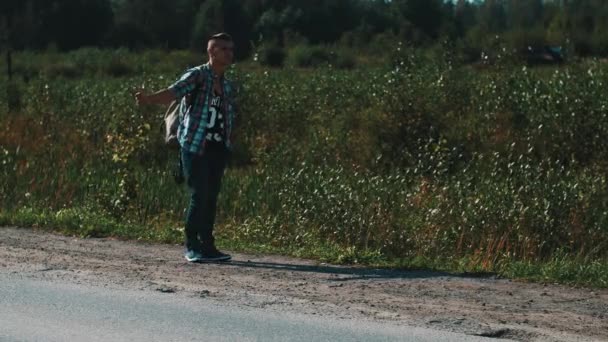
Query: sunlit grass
[416, 164]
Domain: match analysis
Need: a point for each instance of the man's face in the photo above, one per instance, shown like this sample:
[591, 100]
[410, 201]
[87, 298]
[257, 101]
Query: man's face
[221, 51]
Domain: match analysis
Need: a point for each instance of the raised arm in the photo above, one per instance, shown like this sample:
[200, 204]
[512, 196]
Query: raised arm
[164, 96]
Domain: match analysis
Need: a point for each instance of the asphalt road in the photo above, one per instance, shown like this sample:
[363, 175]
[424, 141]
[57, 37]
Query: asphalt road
[36, 310]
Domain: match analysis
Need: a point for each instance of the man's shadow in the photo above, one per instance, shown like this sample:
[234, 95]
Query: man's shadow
[349, 273]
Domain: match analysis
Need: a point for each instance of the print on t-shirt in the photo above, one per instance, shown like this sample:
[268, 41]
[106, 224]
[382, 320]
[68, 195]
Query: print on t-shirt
[215, 124]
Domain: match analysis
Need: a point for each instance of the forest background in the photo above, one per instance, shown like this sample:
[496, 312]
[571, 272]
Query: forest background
[471, 26]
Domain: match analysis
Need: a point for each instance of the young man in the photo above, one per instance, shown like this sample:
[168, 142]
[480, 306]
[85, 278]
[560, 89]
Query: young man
[204, 136]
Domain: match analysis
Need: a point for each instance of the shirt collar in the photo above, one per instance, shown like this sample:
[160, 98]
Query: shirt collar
[212, 73]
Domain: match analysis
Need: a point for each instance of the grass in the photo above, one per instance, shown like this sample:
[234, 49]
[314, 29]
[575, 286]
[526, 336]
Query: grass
[420, 163]
[562, 269]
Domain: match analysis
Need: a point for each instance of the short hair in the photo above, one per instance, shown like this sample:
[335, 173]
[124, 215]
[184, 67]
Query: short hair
[221, 36]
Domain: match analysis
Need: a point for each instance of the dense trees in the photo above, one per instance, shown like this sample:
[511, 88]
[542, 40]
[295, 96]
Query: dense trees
[580, 25]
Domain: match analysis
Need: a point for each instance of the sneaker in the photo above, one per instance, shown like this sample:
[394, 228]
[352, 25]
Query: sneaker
[212, 254]
[193, 256]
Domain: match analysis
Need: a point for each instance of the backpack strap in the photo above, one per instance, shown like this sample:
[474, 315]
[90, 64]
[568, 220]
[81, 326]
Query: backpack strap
[190, 96]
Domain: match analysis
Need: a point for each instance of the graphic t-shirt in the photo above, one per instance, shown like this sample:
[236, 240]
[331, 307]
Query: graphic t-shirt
[215, 123]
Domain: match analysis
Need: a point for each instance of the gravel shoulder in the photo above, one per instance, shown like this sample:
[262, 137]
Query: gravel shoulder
[481, 306]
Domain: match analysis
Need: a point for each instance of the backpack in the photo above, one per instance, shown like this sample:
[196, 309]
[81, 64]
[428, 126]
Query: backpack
[171, 124]
[173, 116]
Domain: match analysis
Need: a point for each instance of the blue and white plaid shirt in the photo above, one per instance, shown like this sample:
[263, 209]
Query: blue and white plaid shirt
[193, 126]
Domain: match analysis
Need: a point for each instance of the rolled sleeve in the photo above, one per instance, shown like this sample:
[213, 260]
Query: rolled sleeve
[186, 83]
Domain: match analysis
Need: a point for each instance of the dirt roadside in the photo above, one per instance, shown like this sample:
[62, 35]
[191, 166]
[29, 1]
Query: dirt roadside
[490, 307]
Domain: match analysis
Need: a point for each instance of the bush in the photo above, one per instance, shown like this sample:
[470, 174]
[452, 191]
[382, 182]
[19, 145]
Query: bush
[313, 56]
[345, 60]
[417, 159]
[272, 56]
[117, 68]
[67, 70]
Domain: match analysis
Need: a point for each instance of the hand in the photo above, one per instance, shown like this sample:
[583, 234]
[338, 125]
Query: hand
[140, 97]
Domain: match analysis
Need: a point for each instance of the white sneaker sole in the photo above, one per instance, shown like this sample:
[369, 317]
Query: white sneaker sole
[192, 259]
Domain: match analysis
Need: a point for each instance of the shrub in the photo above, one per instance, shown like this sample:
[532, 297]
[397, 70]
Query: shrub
[313, 56]
[345, 60]
[117, 68]
[419, 159]
[66, 69]
[272, 56]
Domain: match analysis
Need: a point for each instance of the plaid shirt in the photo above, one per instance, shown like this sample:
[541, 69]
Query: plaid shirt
[193, 126]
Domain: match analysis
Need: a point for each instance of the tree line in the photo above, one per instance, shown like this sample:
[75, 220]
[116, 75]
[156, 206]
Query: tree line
[580, 26]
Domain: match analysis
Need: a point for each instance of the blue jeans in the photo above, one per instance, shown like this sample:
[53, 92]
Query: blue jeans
[203, 175]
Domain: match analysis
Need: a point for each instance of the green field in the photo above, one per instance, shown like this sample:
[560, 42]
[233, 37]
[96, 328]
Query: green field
[414, 163]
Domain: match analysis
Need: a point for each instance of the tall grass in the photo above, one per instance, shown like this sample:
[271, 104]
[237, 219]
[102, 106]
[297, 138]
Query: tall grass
[421, 159]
